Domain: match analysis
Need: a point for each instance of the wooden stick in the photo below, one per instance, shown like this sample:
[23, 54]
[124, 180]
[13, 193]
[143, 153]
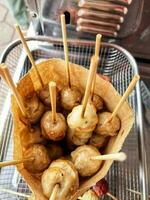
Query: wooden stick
[2, 74]
[98, 44]
[54, 192]
[114, 156]
[97, 51]
[94, 61]
[64, 35]
[124, 97]
[15, 193]
[52, 89]
[7, 77]
[24, 43]
[110, 195]
[136, 192]
[15, 162]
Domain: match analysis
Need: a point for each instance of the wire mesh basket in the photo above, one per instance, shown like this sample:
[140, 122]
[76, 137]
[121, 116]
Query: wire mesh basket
[116, 63]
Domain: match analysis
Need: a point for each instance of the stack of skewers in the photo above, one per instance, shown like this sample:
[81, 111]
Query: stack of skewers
[65, 131]
[105, 17]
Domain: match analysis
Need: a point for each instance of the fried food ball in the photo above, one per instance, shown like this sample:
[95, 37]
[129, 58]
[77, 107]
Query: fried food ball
[86, 123]
[77, 137]
[80, 128]
[34, 108]
[81, 158]
[70, 97]
[98, 102]
[101, 187]
[55, 151]
[53, 130]
[109, 128]
[28, 137]
[63, 173]
[44, 95]
[41, 158]
[98, 141]
[50, 178]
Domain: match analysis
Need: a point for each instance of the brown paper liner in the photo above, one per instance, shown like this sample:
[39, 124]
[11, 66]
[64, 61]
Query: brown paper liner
[54, 70]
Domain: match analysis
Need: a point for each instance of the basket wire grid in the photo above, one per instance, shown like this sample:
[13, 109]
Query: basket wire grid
[114, 63]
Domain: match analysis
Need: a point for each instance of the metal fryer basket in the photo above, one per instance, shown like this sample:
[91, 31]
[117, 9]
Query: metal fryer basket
[116, 63]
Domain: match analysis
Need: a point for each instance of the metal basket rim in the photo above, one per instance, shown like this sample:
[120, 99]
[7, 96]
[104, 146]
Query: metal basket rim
[70, 41]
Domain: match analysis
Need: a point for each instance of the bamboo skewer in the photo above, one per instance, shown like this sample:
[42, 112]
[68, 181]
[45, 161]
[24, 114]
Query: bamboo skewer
[52, 89]
[110, 195]
[136, 192]
[114, 156]
[93, 85]
[7, 77]
[94, 61]
[15, 162]
[2, 74]
[97, 51]
[98, 44]
[28, 52]
[15, 193]
[64, 35]
[124, 97]
[54, 192]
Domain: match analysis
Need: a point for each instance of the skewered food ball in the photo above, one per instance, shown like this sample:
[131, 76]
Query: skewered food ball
[60, 172]
[81, 158]
[81, 127]
[70, 97]
[98, 140]
[28, 137]
[34, 108]
[101, 187]
[98, 102]
[44, 95]
[77, 138]
[55, 151]
[86, 123]
[50, 178]
[41, 158]
[89, 195]
[109, 128]
[53, 130]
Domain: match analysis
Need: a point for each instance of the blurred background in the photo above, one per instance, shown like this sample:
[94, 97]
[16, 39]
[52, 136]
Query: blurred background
[7, 31]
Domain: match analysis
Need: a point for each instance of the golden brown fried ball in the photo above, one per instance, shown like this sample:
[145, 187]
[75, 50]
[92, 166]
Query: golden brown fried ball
[41, 158]
[53, 130]
[109, 128]
[70, 97]
[81, 158]
[63, 173]
[34, 108]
